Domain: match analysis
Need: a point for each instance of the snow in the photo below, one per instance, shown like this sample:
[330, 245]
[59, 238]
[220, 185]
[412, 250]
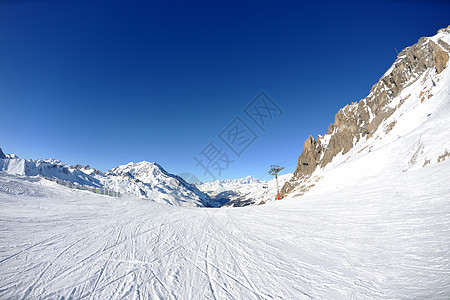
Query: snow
[151, 181]
[441, 35]
[143, 179]
[421, 136]
[244, 189]
[221, 185]
[324, 140]
[389, 70]
[13, 166]
[382, 237]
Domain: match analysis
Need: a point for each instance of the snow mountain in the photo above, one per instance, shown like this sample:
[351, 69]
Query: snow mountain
[144, 179]
[150, 180]
[50, 168]
[407, 107]
[3, 155]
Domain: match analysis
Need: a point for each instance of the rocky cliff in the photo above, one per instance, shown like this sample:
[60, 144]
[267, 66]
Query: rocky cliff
[429, 57]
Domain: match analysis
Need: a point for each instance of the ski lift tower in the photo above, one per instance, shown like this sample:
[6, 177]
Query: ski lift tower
[274, 169]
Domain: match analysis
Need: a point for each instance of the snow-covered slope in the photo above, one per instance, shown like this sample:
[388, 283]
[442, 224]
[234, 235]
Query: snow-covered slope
[384, 237]
[47, 167]
[151, 181]
[406, 112]
[145, 180]
[244, 191]
[416, 135]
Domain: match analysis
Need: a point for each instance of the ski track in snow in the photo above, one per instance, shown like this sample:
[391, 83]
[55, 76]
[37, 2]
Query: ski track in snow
[391, 239]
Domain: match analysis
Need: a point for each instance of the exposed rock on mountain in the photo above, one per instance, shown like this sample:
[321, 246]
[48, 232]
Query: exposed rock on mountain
[424, 61]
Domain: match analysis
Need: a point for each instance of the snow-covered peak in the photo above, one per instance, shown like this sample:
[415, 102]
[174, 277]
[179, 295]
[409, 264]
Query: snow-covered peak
[233, 182]
[52, 161]
[147, 172]
[248, 180]
[143, 179]
[150, 180]
[7, 156]
[143, 170]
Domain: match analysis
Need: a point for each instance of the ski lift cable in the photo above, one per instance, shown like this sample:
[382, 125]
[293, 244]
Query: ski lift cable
[293, 156]
[291, 164]
[263, 175]
[296, 155]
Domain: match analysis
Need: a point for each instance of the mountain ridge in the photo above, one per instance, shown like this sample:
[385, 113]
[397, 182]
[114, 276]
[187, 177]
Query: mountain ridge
[243, 191]
[143, 179]
[426, 59]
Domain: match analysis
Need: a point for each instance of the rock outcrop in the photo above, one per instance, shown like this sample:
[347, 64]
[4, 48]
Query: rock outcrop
[362, 119]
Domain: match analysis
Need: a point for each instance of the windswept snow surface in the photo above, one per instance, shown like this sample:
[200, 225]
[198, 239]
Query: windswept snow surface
[385, 237]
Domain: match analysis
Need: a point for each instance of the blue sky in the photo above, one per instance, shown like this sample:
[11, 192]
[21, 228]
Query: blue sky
[108, 82]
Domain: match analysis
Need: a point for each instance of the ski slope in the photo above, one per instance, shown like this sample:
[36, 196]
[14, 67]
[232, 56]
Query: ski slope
[384, 238]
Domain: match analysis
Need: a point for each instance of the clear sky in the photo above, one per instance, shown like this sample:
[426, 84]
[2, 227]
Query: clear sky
[108, 82]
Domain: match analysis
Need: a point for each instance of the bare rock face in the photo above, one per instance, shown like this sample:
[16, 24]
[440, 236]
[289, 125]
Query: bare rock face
[2, 155]
[361, 119]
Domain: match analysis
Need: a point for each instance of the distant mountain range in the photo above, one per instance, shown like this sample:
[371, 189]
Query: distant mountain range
[243, 192]
[144, 179]
[149, 181]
